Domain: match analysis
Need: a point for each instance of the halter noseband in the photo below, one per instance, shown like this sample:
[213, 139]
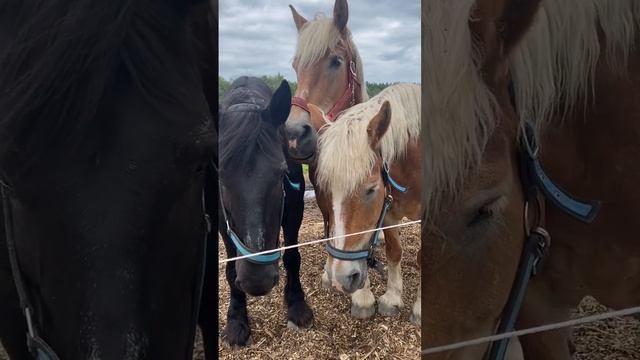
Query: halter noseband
[241, 248]
[345, 101]
[369, 252]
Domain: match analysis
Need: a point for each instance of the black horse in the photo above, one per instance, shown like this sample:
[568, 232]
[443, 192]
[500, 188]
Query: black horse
[253, 176]
[106, 127]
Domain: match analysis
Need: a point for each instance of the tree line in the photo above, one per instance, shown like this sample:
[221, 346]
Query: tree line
[274, 81]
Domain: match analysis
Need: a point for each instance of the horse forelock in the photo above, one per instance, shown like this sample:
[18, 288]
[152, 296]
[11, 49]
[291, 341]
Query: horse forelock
[552, 70]
[345, 156]
[57, 74]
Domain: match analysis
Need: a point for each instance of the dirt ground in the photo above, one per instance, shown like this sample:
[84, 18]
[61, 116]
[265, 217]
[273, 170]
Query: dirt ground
[335, 335]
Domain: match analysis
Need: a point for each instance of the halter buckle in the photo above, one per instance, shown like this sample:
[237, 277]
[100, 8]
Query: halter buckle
[542, 248]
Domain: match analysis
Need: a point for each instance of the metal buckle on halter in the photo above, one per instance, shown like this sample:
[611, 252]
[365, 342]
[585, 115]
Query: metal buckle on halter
[543, 246]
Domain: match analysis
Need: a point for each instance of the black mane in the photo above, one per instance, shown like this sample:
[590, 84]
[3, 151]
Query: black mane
[244, 129]
[60, 59]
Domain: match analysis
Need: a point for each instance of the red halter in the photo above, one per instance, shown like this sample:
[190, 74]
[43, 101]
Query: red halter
[345, 101]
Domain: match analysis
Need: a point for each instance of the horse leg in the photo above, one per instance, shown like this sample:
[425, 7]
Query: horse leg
[237, 332]
[416, 314]
[299, 314]
[541, 307]
[363, 302]
[390, 303]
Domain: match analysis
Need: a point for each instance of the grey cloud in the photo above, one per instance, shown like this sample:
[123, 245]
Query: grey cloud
[258, 37]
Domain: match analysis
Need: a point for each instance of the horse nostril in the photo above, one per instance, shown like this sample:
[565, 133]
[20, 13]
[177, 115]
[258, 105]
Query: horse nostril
[306, 131]
[353, 280]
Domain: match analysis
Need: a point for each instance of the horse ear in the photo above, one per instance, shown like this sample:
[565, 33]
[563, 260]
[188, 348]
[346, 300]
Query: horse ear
[280, 105]
[297, 18]
[517, 17]
[341, 14]
[504, 24]
[317, 117]
[379, 124]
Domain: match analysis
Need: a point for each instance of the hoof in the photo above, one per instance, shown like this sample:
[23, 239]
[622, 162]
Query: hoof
[388, 310]
[389, 304]
[300, 316]
[237, 334]
[362, 313]
[415, 319]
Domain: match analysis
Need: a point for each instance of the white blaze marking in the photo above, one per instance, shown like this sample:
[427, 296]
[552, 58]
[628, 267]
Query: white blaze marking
[339, 232]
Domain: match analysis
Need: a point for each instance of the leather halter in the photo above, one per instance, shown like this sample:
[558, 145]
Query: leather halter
[346, 100]
[369, 252]
[36, 345]
[535, 183]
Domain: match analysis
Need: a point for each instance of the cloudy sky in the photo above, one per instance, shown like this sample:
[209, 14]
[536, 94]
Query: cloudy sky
[258, 37]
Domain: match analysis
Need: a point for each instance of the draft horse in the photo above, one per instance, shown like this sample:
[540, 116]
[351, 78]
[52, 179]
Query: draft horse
[329, 74]
[530, 136]
[105, 131]
[368, 174]
[259, 192]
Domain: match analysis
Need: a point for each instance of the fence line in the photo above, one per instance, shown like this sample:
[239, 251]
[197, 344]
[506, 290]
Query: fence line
[223, 261]
[532, 330]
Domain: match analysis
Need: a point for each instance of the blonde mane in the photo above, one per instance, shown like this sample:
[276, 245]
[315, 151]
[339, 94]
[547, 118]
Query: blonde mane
[321, 35]
[345, 157]
[552, 70]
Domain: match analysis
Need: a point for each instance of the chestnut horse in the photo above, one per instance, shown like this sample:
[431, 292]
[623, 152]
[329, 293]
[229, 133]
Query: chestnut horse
[525, 98]
[329, 74]
[368, 176]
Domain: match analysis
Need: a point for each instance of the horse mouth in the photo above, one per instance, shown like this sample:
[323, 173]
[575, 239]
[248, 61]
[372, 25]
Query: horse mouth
[302, 159]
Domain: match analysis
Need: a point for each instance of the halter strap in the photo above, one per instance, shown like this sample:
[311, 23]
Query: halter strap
[37, 346]
[300, 102]
[369, 252]
[346, 100]
[534, 183]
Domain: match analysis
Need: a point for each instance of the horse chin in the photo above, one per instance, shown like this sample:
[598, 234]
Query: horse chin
[256, 290]
[306, 158]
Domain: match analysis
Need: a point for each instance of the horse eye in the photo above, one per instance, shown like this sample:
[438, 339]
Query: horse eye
[370, 191]
[482, 214]
[335, 61]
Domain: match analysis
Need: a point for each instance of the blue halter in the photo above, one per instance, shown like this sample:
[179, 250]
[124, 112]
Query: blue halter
[368, 253]
[583, 210]
[294, 185]
[241, 248]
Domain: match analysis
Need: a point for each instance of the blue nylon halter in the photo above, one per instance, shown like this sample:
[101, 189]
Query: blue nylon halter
[294, 185]
[368, 253]
[241, 248]
[583, 210]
